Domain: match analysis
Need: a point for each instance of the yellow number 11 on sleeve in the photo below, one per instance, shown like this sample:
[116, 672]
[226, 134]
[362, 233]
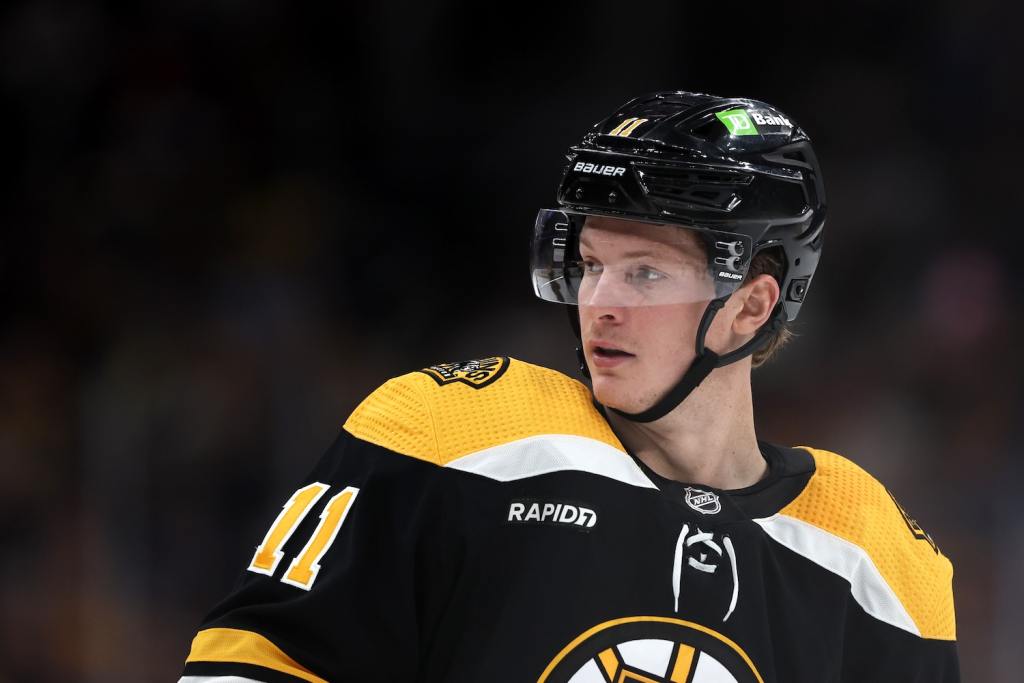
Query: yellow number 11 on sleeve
[304, 568]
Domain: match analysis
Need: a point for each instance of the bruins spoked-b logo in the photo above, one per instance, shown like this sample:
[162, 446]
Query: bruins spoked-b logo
[475, 373]
[651, 650]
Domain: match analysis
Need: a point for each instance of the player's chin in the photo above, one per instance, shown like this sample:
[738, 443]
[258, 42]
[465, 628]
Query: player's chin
[614, 391]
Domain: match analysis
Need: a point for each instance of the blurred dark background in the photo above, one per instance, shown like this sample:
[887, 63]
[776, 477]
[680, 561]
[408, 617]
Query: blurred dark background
[225, 222]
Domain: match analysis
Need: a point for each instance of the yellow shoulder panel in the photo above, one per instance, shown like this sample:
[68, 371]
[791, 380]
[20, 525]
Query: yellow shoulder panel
[245, 647]
[397, 417]
[846, 501]
[438, 414]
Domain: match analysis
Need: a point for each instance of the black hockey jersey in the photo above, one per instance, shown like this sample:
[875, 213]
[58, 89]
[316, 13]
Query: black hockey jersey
[480, 521]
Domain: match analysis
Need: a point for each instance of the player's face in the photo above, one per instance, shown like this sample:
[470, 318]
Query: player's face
[638, 336]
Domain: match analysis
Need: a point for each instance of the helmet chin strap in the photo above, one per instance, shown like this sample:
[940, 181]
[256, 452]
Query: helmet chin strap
[705, 361]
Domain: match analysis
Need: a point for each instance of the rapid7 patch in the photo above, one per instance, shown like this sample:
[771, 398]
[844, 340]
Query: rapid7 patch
[561, 513]
[475, 373]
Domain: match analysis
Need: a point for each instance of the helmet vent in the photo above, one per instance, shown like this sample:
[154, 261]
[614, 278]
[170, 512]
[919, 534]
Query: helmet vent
[705, 131]
[705, 189]
[790, 157]
[614, 141]
[630, 145]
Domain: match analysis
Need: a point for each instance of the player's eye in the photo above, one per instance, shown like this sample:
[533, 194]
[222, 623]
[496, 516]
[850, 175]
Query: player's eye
[645, 275]
[592, 267]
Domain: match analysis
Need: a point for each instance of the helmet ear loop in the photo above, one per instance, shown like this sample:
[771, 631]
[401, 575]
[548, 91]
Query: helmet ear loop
[705, 361]
[574, 322]
[702, 365]
[714, 306]
[759, 339]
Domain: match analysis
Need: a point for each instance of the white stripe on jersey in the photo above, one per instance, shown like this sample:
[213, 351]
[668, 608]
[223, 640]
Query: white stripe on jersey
[849, 561]
[544, 453]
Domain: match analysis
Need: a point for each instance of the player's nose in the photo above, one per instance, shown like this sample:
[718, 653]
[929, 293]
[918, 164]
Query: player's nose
[611, 290]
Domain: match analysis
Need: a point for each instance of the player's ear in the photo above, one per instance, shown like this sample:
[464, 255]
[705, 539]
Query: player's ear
[758, 298]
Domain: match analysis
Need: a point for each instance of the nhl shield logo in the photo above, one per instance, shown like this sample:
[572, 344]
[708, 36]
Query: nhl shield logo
[704, 502]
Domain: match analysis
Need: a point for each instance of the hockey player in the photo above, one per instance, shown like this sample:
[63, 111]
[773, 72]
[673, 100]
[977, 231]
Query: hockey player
[492, 520]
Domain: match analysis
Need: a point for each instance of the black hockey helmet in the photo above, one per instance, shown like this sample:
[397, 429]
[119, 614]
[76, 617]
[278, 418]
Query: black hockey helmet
[738, 172]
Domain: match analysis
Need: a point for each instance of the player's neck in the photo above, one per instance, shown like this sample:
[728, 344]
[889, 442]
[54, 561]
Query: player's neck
[708, 439]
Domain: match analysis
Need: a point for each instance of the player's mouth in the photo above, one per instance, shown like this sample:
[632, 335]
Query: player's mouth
[608, 356]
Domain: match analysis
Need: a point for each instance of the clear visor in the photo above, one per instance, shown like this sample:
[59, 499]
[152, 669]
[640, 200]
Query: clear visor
[592, 260]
